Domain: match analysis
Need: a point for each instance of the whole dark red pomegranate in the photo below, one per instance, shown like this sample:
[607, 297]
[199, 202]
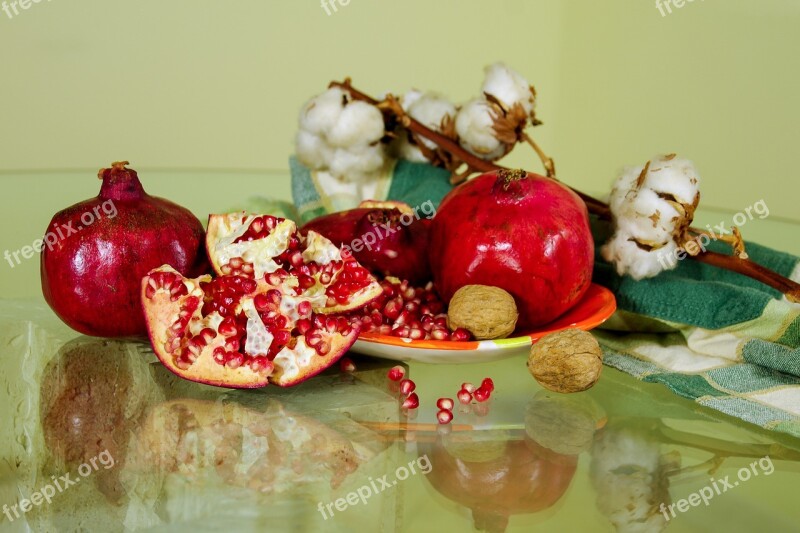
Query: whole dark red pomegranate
[97, 252]
[518, 231]
[388, 238]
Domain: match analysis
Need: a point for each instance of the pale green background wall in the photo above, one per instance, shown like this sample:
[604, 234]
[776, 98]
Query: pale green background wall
[212, 85]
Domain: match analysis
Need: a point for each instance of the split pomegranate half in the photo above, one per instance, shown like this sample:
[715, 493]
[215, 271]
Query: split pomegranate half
[239, 332]
[310, 267]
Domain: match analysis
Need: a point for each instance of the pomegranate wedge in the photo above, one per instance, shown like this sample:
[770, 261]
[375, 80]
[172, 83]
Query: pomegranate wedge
[237, 332]
[310, 266]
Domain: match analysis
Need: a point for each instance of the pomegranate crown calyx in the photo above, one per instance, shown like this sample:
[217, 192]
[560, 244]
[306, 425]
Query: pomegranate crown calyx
[509, 176]
[120, 182]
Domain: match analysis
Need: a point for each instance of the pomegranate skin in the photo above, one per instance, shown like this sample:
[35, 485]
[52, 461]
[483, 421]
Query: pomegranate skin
[91, 278]
[522, 232]
[398, 249]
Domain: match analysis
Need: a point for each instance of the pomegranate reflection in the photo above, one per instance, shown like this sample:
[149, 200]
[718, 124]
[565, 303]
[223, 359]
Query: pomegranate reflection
[497, 478]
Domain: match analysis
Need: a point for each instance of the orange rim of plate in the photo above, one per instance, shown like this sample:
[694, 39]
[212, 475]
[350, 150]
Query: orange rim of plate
[596, 306]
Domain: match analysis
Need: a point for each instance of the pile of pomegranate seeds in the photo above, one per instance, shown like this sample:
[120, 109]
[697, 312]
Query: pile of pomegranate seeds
[408, 312]
[466, 394]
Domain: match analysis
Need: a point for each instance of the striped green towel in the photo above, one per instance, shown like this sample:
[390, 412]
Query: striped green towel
[718, 338]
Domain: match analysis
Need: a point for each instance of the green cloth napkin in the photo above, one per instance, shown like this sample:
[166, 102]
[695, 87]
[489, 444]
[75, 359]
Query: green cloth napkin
[721, 339]
[317, 193]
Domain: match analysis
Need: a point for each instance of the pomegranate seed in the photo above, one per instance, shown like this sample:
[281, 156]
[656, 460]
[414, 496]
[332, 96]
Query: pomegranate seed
[232, 345]
[444, 416]
[460, 335]
[282, 337]
[482, 394]
[440, 335]
[407, 386]
[396, 373]
[402, 331]
[467, 386]
[411, 402]
[314, 339]
[416, 334]
[304, 325]
[228, 327]
[304, 309]
[464, 397]
[220, 355]
[392, 309]
[323, 348]
[235, 362]
[488, 384]
[403, 319]
[347, 365]
[262, 302]
[445, 403]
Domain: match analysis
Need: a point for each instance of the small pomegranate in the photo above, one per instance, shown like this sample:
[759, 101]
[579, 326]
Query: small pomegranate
[98, 250]
[388, 238]
[522, 232]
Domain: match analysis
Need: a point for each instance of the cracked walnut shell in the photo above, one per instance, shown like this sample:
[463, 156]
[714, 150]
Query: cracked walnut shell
[566, 361]
[486, 312]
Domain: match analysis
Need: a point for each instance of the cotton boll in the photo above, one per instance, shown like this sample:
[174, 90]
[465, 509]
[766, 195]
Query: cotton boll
[358, 163]
[508, 86]
[403, 148]
[638, 263]
[623, 188]
[359, 123]
[430, 110]
[341, 136]
[671, 175]
[408, 99]
[474, 126]
[321, 113]
[312, 151]
[652, 211]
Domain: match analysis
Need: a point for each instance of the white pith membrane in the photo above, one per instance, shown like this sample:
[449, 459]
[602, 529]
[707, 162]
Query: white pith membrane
[223, 230]
[291, 365]
[258, 252]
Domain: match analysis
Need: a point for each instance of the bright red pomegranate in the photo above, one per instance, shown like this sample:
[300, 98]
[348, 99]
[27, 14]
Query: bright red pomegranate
[237, 332]
[388, 238]
[518, 231]
[97, 251]
[255, 246]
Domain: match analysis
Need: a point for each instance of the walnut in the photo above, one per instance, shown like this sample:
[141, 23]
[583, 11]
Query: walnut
[486, 312]
[566, 361]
